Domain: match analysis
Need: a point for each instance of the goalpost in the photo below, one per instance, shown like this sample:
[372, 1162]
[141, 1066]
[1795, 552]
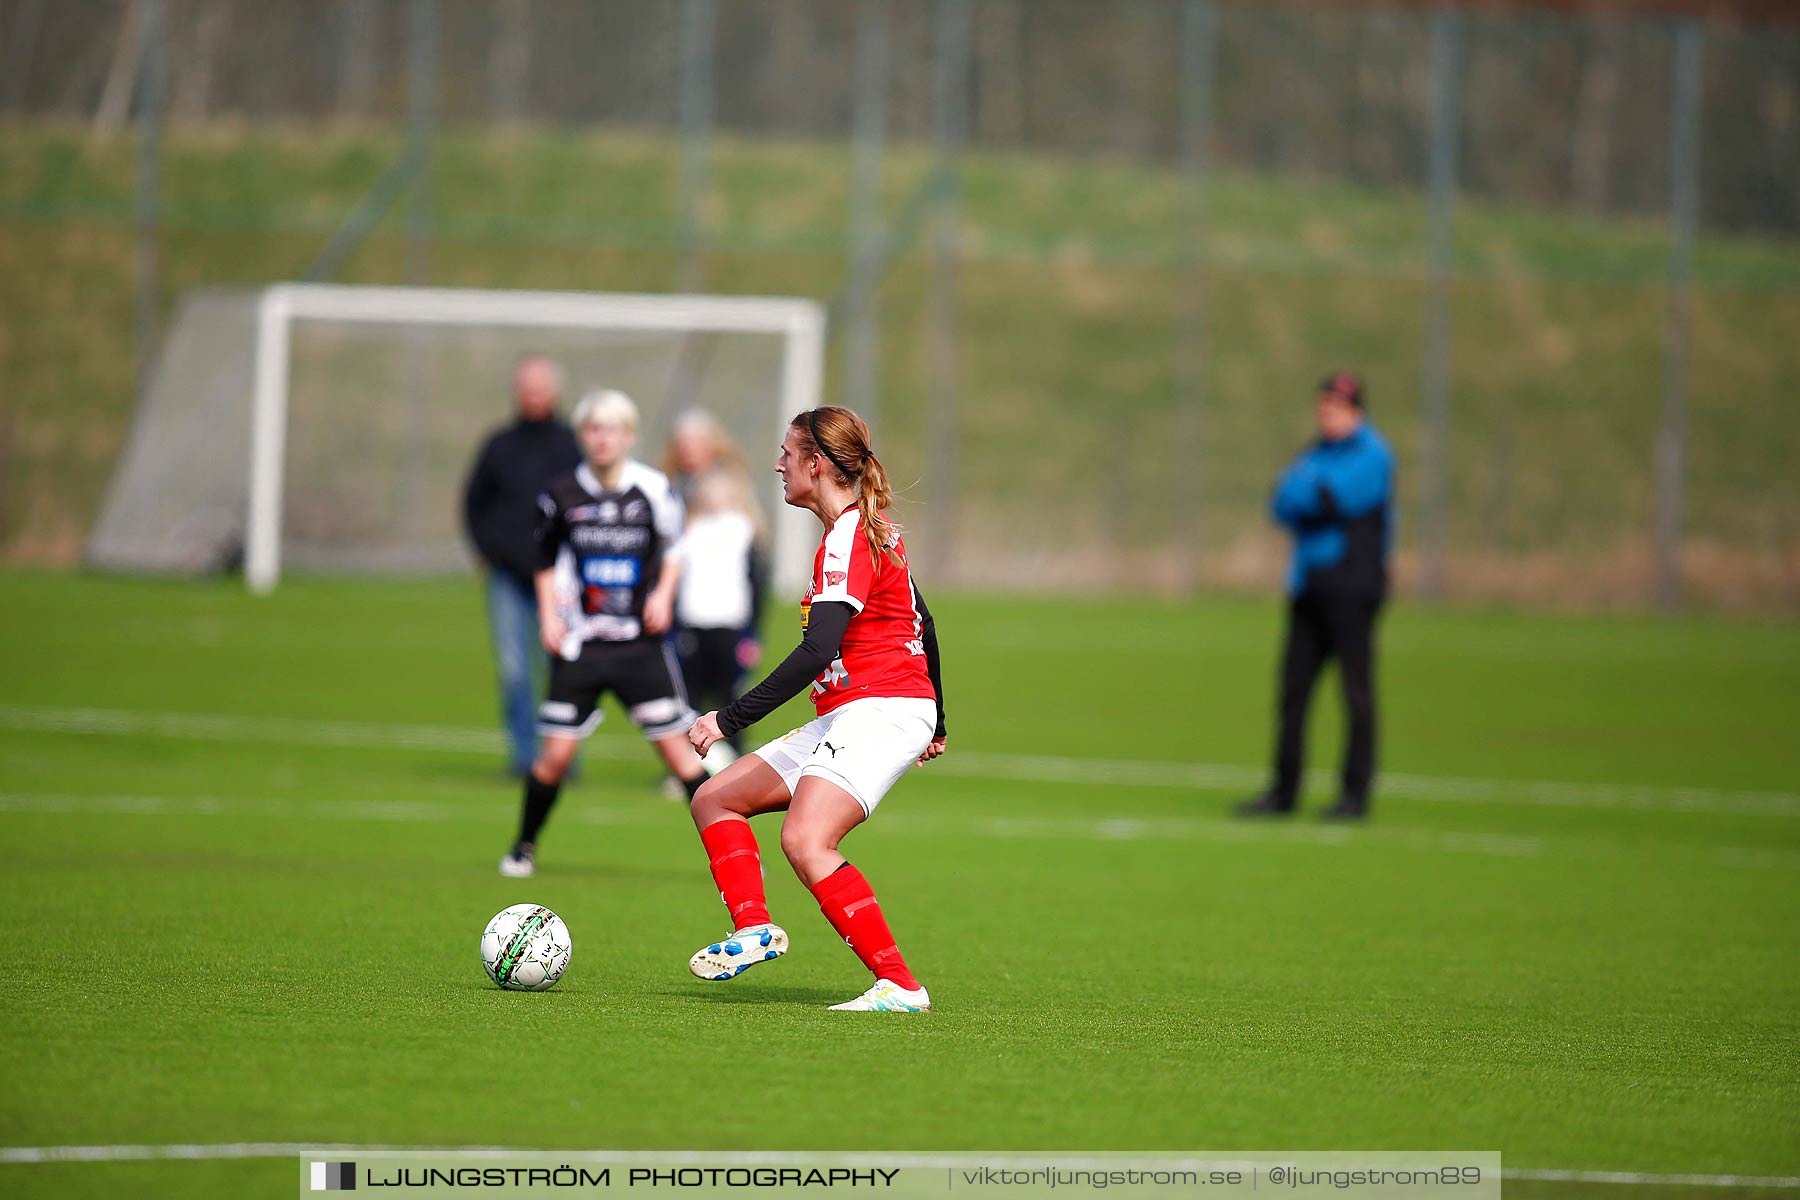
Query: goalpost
[364, 407]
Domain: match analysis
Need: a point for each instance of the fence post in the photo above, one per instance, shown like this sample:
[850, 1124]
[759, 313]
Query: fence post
[356, 65]
[868, 119]
[949, 126]
[509, 62]
[1684, 213]
[1198, 38]
[149, 186]
[421, 113]
[421, 131]
[697, 21]
[1434, 431]
[27, 21]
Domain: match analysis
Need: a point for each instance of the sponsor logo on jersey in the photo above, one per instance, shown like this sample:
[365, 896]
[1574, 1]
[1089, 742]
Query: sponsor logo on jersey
[835, 578]
[637, 510]
[583, 512]
[615, 538]
[610, 572]
[832, 677]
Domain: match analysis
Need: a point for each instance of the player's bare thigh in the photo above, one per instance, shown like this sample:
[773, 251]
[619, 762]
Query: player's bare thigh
[818, 818]
[747, 787]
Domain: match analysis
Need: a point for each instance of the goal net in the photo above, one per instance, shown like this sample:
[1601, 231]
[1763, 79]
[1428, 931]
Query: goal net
[331, 428]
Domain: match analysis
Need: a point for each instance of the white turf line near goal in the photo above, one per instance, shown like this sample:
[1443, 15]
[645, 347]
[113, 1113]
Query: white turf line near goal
[800, 323]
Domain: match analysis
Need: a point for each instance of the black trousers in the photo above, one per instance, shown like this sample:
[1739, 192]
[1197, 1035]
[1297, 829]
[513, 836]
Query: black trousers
[1321, 627]
[709, 663]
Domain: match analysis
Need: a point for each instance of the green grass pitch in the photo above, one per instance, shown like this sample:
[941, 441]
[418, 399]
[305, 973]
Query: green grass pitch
[250, 849]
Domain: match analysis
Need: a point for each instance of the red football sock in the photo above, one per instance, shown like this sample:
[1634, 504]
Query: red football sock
[849, 903]
[737, 869]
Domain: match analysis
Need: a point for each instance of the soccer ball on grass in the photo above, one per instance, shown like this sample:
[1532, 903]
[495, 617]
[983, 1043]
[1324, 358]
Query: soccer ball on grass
[525, 948]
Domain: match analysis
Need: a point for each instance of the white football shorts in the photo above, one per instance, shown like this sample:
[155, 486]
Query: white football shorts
[862, 747]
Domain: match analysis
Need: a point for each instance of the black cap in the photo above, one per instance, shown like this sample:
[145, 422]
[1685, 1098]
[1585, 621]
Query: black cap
[1344, 386]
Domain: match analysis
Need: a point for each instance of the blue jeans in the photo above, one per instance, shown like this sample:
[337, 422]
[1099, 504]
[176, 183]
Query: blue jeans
[520, 662]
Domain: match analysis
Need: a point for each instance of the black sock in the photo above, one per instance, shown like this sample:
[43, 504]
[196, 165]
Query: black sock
[693, 785]
[540, 798]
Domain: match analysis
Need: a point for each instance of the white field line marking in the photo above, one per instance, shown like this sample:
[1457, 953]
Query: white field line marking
[1081, 829]
[1214, 830]
[1444, 788]
[340, 810]
[1724, 1181]
[1069, 829]
[242, 1150]
[967, 763]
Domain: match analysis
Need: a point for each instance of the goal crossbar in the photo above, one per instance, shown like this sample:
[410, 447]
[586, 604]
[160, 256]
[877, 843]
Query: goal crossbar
[800, 322]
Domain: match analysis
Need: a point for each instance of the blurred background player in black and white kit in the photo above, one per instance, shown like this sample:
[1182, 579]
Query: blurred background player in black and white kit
[869, 652]
[609, 562]
[500, 514]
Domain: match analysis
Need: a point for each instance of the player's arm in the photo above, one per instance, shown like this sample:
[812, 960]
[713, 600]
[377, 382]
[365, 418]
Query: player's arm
[659, 605]
[825, 626]
[552, 629]
[934, 668]
[478, 493]
[551, 531]
[749, 648]
[669, 520]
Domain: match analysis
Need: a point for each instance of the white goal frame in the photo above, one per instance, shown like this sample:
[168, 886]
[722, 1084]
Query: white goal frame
[801, 323]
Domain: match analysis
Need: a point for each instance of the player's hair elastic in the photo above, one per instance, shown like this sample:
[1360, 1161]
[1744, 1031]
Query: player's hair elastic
[812, 425]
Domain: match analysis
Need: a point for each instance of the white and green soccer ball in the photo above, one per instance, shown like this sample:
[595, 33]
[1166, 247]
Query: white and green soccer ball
[525, 948]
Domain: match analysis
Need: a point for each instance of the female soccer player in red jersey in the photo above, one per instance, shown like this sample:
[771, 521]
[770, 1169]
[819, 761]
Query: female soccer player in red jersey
[870, 653]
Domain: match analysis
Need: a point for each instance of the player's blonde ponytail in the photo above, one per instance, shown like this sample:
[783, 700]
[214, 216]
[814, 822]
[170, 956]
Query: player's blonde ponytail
[843, 438]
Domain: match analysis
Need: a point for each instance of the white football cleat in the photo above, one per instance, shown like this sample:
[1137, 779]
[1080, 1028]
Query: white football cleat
[731, 956]
[519, 863]
[887, 996]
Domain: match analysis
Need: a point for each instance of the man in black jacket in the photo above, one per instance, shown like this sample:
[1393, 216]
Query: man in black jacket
[500, 512]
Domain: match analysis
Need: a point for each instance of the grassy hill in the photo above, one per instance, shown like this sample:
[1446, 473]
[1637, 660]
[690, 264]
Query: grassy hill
[1072, 293]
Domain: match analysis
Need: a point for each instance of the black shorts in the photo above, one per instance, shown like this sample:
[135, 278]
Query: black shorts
[641, 673]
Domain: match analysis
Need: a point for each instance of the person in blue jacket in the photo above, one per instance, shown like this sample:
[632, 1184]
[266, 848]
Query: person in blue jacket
[1336, 499]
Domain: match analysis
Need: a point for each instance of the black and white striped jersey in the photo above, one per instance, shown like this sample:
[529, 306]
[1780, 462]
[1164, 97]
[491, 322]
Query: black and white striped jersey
[608, 548]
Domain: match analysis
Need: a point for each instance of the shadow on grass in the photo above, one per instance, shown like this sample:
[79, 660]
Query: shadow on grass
[802, 997]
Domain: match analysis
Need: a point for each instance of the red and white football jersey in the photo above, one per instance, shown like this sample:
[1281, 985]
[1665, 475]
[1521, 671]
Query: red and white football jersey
[881, 654]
